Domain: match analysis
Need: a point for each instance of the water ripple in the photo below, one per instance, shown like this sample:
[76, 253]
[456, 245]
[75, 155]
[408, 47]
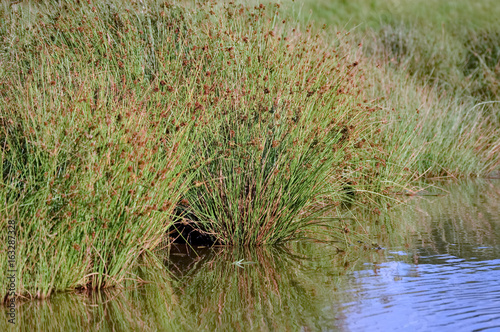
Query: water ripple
[442, 292]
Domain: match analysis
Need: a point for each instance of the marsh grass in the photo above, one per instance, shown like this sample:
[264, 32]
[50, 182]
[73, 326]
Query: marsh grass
[121, 120]
[482, 63]
[117, 116]
[280, 141]
[436, 67]
[432, 133]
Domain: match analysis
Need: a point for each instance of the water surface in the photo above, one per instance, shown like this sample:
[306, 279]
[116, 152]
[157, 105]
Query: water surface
[435, 267]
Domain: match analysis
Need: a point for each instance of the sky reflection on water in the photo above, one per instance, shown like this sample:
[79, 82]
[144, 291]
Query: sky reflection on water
[440, 293]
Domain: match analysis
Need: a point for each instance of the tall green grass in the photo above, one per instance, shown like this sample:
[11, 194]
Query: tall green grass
[436, 66]
[88, 174]
[433, 133]
[276, 141]
[120, 121]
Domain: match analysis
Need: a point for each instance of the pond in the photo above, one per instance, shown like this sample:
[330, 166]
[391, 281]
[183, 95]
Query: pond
[433, 265]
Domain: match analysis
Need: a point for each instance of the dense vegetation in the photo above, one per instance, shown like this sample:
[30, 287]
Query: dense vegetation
[437, 67]
[124, 123]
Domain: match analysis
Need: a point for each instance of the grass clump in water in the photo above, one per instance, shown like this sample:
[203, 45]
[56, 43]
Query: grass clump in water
[275, 119]
[118, 119]
[122, 122]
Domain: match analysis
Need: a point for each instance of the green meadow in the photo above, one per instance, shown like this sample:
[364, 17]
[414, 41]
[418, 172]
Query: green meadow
[125, 126]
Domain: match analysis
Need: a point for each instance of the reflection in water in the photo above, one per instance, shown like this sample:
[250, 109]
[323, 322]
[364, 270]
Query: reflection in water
[278, 288]
[439, 271]
[440, 293]
[146, 308]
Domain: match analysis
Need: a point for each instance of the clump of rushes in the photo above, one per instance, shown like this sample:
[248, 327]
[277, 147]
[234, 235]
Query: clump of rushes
[92, 164]
[277, 110]
[116, 116]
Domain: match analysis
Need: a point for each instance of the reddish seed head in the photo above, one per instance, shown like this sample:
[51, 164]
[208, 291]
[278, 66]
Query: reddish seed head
[166, 206]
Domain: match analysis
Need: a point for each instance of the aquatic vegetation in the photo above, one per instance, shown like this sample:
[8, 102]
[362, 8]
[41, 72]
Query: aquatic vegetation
[117, 120]
[277, 139]
[124, 124]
